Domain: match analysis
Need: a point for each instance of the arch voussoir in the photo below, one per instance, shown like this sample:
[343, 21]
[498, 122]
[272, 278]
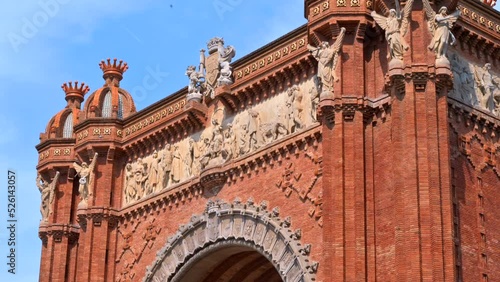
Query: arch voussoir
[235, 224]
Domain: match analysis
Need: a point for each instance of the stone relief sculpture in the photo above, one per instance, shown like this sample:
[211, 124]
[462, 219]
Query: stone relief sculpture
[327, 57]
[229, 149]
[488, 90]
[463, 81]
[176, 165]
[153, 174]
[475, 85]
[47, 192]
[395, 26]
[166, 164]
[227, 138]
[440, 25]
[297, 115]
[86, 174]
[135, 181]
[314, 94]
[253, 130]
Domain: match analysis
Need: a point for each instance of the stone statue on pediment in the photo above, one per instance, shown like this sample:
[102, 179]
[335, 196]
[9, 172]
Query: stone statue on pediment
[86, 174]
[327, 57]
[395, 26]
[47, 192]
[196, 80]
[440, 25]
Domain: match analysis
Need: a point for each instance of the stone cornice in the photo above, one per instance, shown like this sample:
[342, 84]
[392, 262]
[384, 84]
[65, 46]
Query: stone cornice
[479, 28]
[57, 231]
[479, 117]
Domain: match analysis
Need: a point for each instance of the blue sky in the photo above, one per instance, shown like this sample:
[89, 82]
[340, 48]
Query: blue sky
[43, 46]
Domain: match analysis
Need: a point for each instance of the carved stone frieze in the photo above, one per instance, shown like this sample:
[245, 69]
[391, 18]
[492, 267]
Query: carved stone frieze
[228, 138]
[236, 224]
[475, 85]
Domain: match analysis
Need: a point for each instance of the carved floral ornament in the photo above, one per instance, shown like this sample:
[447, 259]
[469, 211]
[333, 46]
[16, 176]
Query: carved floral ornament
[319, 9]
[227, 138]
[237, 224]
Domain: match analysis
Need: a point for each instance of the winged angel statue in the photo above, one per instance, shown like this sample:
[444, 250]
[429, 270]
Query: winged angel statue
[86, 173]
[395, 26]
[440, 25]
[327, 57]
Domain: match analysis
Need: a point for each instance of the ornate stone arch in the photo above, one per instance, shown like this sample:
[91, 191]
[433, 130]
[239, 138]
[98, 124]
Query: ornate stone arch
[223, 224]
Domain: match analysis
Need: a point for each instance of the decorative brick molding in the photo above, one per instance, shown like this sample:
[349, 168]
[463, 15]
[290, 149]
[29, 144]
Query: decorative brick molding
[58, 231]
[478, 136]
[237, 224]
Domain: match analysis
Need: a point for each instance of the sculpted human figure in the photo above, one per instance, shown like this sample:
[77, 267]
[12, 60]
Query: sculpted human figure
[217, 140]
[166, 165]
[229, 151]
[86, 174]
[486, 84]
[395, 26]
[130, 191]
[327, 57]
[47, 191]
[298, 113]
[440, 25]
[141, 176]
[196, 79]
[314, 94]
[253, 130]
[226, 54]
[243, 139]
[154, 174]
[176, 165]
[192, 159]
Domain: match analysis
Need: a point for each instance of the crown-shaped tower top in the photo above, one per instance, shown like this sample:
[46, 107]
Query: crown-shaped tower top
[75, 93]
[113, 70]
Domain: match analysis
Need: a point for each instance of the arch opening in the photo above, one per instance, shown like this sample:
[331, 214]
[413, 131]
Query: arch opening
[234, 242]
[228, 262]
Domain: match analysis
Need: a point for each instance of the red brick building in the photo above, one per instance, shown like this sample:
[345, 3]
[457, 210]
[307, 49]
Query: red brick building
[375, 157]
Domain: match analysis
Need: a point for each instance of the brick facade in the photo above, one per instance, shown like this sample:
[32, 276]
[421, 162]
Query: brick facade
[394, 181]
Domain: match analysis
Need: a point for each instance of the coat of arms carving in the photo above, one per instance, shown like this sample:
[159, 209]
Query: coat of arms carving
[214, 70]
